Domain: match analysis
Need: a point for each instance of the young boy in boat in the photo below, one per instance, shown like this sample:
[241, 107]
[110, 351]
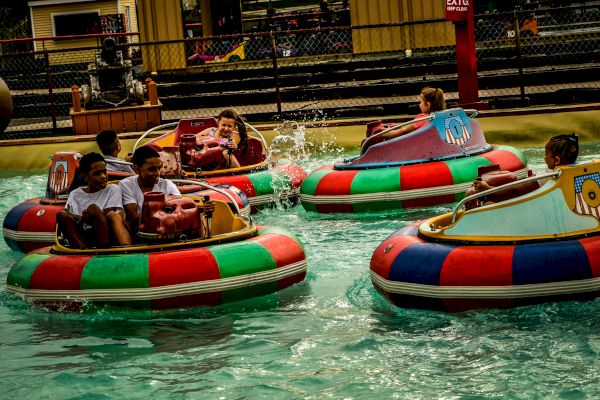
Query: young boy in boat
[93, 214]
[147, 164]
[110, 146]
[231, 125]
[430, 100]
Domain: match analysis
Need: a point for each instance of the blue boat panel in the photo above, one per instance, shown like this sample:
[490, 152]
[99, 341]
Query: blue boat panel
[420, 263]
[12, 218]
[550, 262]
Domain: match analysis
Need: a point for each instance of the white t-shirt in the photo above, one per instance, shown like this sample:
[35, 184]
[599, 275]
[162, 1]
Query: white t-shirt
[115, 164]
[109, 197]
[132, 194]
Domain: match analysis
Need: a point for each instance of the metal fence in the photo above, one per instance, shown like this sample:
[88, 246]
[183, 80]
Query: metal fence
[552, 56]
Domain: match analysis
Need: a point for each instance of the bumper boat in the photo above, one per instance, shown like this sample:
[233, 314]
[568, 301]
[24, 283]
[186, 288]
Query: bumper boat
[31, 224]
[538, 247]
[261, 181]
[178, 266]
[434, 164]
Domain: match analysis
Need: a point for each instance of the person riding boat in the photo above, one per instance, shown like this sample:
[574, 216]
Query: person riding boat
[93, 214]
[231, 125]
[430, 100]
[110, 146]
[559, 150]
[147, 164]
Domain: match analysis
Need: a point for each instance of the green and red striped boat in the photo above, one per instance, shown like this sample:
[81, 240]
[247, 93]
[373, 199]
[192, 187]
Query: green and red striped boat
[262, 181]
[432, 165]
[249, 262]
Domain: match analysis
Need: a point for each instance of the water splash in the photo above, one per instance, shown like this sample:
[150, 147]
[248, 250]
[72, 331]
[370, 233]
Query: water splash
[289, 142]
[283, 193]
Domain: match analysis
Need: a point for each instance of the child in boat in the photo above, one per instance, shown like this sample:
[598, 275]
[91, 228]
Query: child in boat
[147, 164]
[94, 213]
[562, 150]
[559, 150]
[110, 146]
[225, 133]
[430, 100]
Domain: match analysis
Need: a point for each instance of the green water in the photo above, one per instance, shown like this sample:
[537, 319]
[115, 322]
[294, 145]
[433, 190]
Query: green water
[331, 336]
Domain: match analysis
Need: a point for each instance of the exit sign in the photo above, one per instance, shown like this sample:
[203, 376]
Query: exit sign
[457, 10]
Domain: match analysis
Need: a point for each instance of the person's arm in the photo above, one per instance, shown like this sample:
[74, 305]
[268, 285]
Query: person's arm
[480, 185]
[206, 211]
[129, 202]
[204, 133]
[113, 199]
[231, 143]
[400, 131]
[132, 215]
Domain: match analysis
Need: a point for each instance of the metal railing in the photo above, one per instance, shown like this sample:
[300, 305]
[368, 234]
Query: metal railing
[308, 73]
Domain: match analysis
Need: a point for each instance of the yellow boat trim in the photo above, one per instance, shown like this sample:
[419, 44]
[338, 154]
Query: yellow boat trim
[247, 232]
[228, 171]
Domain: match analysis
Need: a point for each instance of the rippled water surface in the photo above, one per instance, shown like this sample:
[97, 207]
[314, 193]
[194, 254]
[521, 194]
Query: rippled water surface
[331, 336]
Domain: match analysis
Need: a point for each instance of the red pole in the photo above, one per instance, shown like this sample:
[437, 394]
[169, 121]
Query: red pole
[461, 13]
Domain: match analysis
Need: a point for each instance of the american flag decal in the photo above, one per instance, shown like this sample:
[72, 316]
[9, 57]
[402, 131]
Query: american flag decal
[456, 131]
[59, 179]
[587, 194]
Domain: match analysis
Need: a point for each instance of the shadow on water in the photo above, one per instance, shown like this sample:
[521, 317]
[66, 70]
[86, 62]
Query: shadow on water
[568, 317]
[135, 335]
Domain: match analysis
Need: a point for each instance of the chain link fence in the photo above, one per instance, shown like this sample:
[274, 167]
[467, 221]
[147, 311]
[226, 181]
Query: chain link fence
[546, 56]
[523, 58]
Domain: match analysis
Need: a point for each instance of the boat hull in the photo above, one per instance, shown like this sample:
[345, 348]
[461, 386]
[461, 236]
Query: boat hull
[200, 276]
[327, 190]
[264, 187]
[412, 272]
[30, 225]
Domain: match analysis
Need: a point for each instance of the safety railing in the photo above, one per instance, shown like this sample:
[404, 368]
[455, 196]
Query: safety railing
[546, 58]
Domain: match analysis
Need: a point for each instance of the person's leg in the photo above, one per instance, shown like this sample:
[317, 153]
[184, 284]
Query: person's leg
[94, 217]
[68, 224]
[118, 228]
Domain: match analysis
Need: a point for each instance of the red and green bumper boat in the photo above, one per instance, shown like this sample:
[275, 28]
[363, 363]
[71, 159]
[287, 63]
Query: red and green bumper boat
[31, 224]
[236, 260]
[433, 165]
[262, 181]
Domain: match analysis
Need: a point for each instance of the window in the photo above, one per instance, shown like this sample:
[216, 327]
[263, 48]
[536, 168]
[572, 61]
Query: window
[76, 24]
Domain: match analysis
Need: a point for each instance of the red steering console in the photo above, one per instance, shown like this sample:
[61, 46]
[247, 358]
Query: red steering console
[172, 217]
[200, 154]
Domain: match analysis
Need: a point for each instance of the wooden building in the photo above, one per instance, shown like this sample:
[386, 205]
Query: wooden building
[375, 12]
[55, 18]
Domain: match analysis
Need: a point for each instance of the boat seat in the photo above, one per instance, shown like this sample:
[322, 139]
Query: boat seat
[192, 125]
[253, 155]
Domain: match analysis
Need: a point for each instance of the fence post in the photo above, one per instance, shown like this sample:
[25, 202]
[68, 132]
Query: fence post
[50, 91]
[75, 98]
[275, 71]
[519, 56]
